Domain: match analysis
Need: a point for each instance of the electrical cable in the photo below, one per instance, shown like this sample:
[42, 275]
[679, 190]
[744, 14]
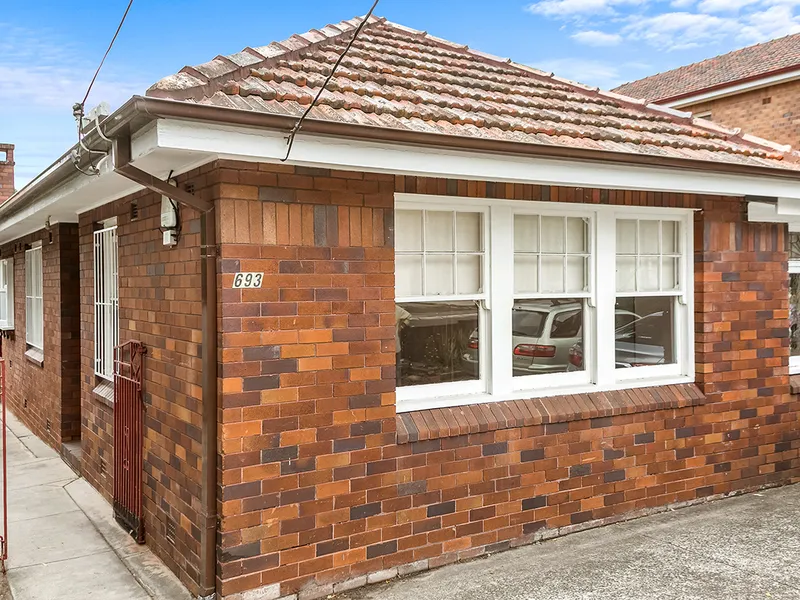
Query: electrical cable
[78, 109]
[299, 124]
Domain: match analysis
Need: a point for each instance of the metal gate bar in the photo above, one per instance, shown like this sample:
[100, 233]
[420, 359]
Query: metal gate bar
[128, 437]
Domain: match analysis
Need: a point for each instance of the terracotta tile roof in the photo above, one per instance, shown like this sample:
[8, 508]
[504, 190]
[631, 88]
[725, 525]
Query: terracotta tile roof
[745, 64]
[399, 78]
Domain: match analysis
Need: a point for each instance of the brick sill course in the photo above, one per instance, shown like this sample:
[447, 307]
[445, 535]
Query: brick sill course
[794, 384]
[104, 393]
[35, 356]
[436, 423]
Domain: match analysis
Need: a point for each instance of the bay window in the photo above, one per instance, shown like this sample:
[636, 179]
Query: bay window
[497, 299]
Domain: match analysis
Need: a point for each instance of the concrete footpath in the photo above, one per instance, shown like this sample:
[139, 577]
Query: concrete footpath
[746, 547]
[63, 541]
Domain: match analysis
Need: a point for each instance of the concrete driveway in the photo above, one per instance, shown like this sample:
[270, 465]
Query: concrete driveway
[734, 549]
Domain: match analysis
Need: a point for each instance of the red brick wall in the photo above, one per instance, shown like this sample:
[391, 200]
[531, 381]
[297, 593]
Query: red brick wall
[771, 113]
[6, 171]
[159, 298]
[316, 490]
[46, 398]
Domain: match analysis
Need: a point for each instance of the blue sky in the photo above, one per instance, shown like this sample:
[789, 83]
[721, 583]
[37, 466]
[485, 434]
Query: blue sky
[50, 48]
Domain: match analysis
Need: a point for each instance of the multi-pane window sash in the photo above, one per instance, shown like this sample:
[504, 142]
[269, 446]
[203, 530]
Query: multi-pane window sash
[563, 257]
[7, 294]
[34, 307]
[106, 301]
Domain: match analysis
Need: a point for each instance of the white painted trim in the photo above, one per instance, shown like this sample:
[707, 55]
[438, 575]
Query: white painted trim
[7, 292]
[258, 145]
[497, 382]
[451, 401]
[733, 89]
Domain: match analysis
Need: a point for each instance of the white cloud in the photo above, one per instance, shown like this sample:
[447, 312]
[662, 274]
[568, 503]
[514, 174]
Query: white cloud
[775, 21]
[576, 8]
[605, 75]
[722, 6]
[680, 30]
[597, 38]
[41, 77]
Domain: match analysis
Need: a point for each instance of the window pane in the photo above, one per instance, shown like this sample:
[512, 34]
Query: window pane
[438, 275]
[546, 336]
[469, 274]
[669, 237]
[794, 246]
[648, 237]
[626, 273]
[626, 236]
[468, 228]
[438, 231]
[526, 233]
[648, 274]
[553, 234]
[576, 274]
[408, 230]
[794, 313]
[552, 273]
[437, 342]
[408, 275]
[526, 274]
[669, 273]
[649, 338]
[576, 236]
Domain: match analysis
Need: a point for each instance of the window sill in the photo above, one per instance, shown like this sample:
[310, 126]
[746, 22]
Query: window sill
[794, 384]
[103, 393]
[35, 356]
[436, 423]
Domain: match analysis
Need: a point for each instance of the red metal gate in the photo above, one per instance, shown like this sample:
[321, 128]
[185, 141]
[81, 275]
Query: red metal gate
[128, 437]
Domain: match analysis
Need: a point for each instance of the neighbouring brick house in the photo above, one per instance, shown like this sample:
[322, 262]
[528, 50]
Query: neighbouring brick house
[478, 306]
[755, 88]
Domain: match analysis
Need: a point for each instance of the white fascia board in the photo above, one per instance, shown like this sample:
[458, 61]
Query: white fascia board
[731, 90]
[258, 145]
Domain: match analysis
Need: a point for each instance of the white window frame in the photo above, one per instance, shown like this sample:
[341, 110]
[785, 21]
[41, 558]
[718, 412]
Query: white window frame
[496, 382]
[794, 361]
[34, 297]
[7, 293]
[106, 298]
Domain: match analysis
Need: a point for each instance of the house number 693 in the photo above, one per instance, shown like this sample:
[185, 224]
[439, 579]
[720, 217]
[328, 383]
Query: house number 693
[247, 280]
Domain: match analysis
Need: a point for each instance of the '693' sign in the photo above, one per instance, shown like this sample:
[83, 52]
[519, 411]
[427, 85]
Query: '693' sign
[248, 280]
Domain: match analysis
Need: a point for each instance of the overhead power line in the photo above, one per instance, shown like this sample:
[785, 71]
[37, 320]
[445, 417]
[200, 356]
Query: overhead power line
[299, 124]
[79, 109]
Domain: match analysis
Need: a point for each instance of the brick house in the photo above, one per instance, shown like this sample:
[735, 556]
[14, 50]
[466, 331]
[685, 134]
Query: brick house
[754, 88]
[478, 306]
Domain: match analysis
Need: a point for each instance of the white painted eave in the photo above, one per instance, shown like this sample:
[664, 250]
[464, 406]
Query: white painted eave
[258, 145]
[783, 210]
[181, 145]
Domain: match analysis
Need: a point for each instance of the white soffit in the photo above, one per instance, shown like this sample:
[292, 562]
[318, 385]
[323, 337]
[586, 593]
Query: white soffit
[251, 144]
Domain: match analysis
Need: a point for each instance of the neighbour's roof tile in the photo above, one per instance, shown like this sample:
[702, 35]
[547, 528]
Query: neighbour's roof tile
[399, 78]
[727, 69]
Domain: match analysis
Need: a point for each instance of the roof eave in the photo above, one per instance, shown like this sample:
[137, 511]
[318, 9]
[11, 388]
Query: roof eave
[158, 107]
